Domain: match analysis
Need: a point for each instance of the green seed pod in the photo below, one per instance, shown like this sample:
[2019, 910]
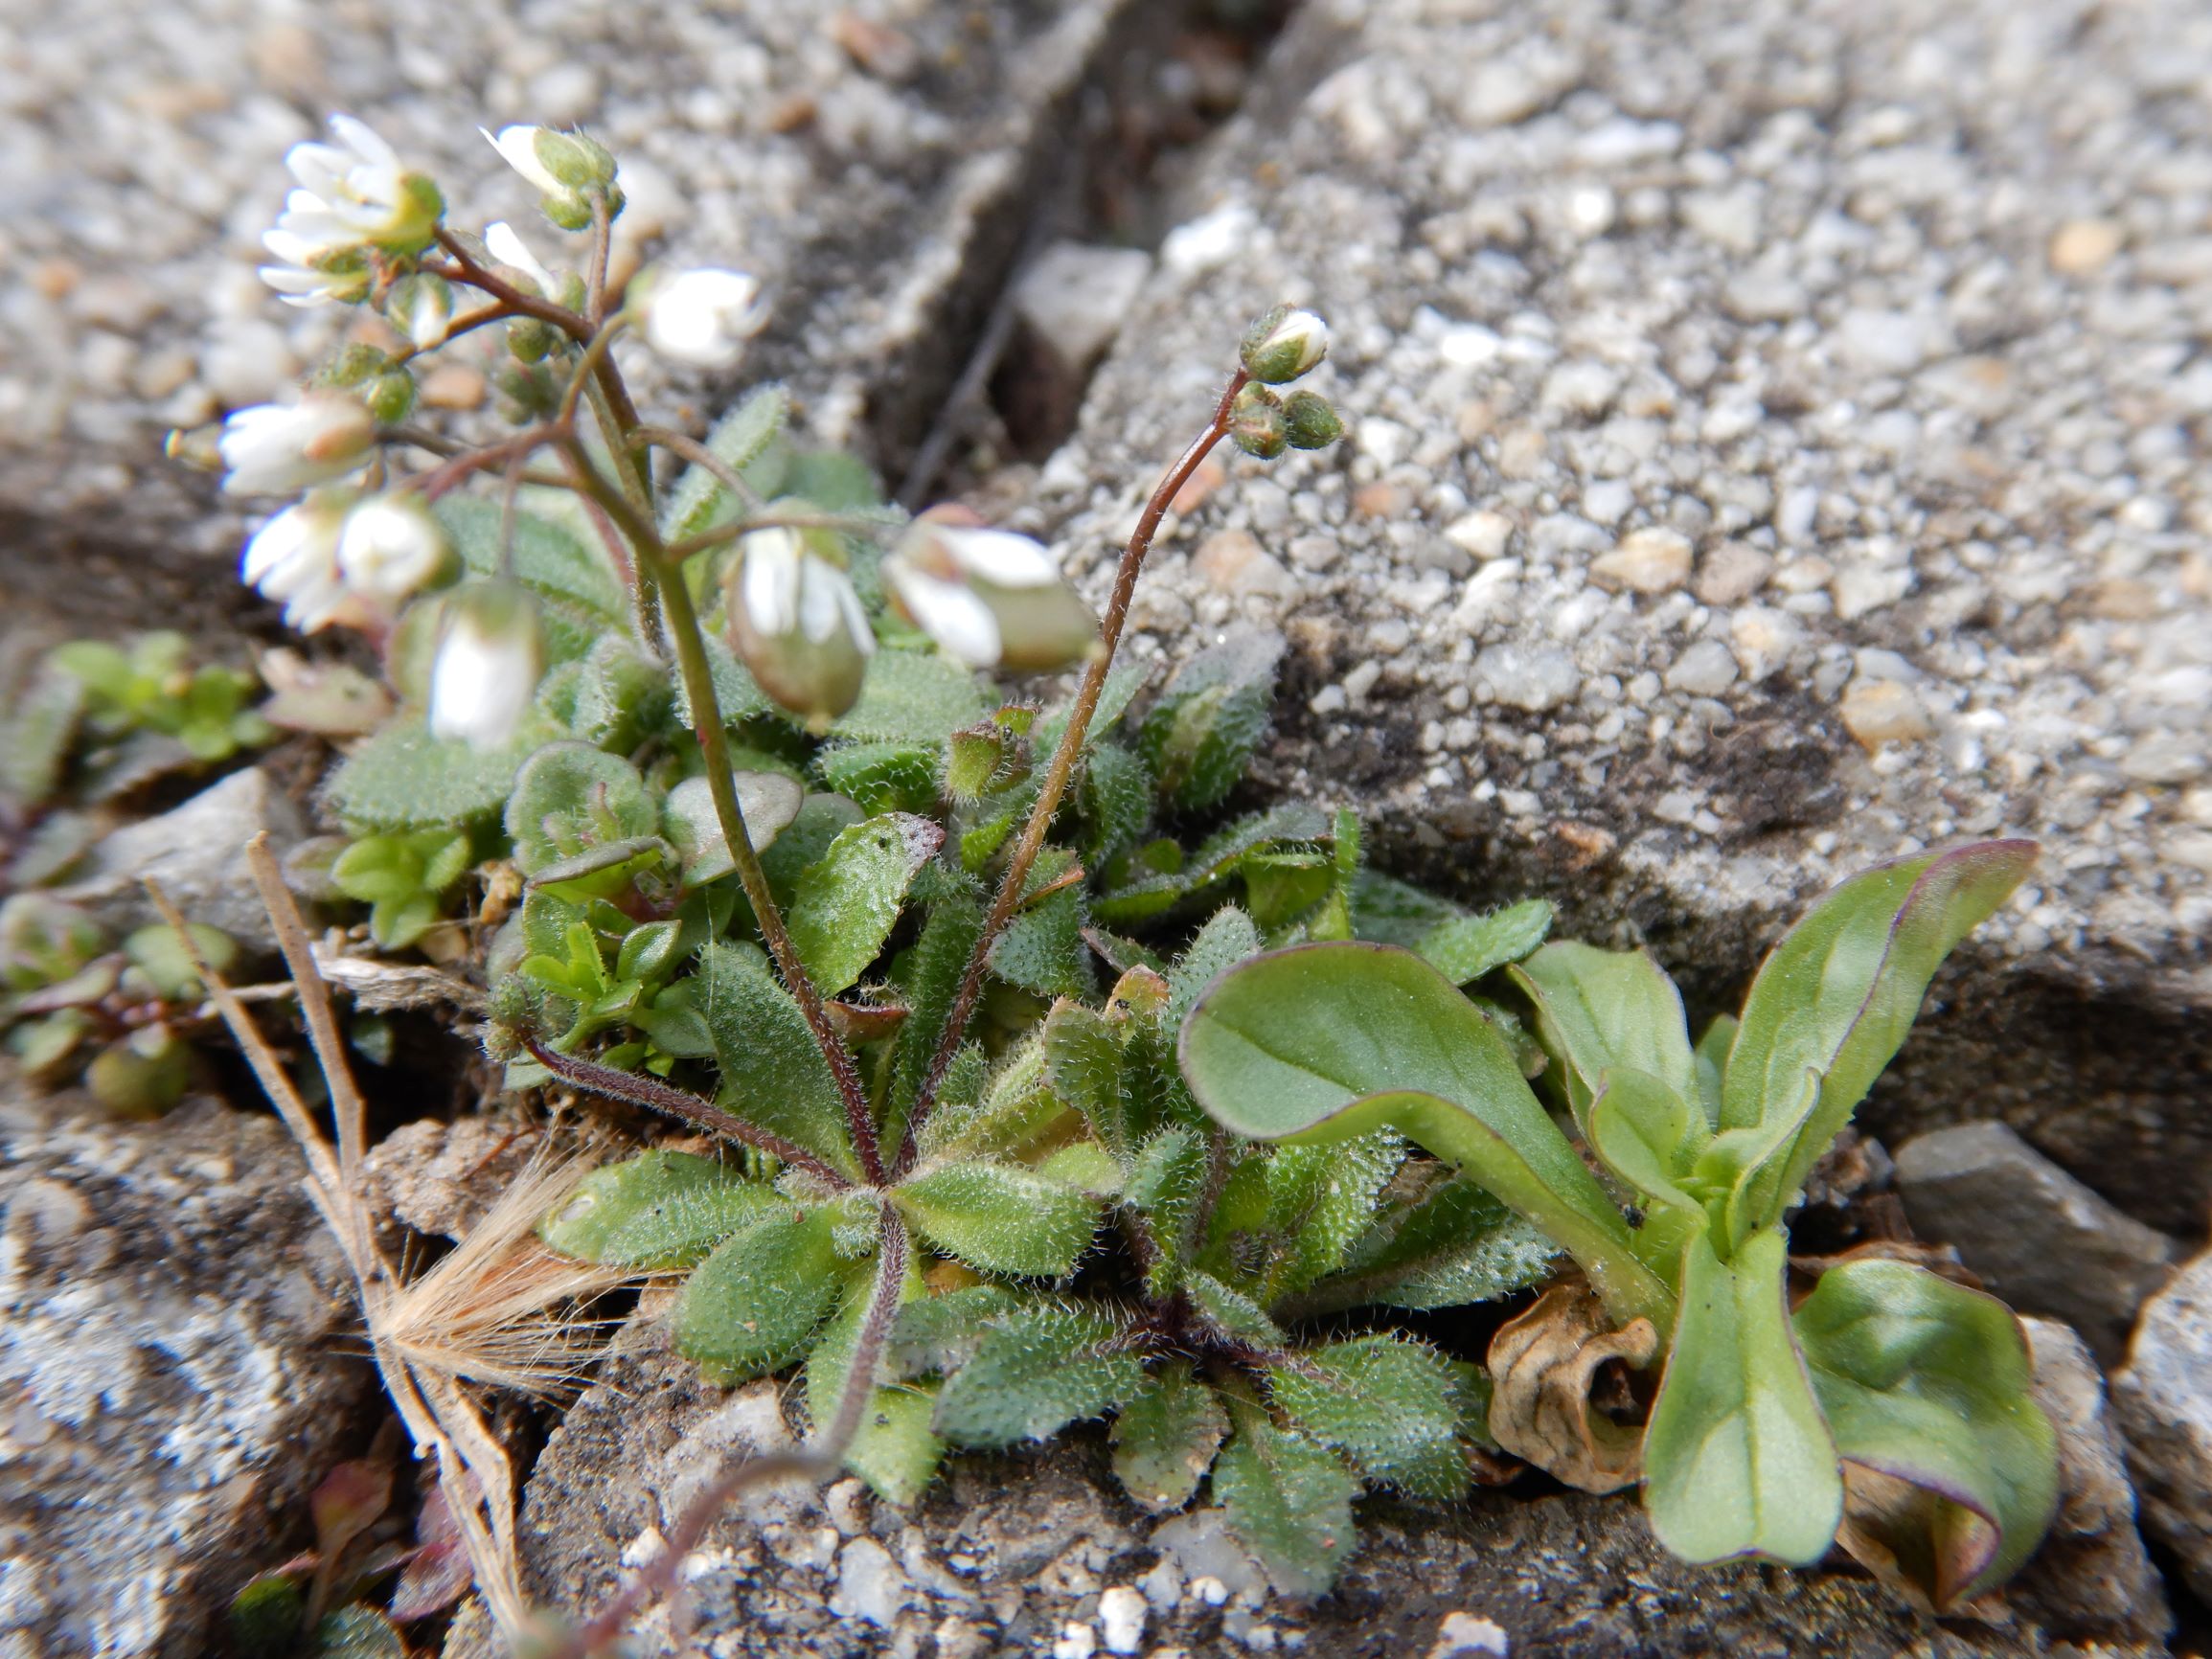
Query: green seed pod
[1256, 424]
[1309, 423]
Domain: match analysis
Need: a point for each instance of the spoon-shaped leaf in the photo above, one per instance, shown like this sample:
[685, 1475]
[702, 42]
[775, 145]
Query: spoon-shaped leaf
[1647, 1133]
[1597, 1010]
[1928, 1382]
[1323, 1042]
[1838, 996]
[1736, 1460]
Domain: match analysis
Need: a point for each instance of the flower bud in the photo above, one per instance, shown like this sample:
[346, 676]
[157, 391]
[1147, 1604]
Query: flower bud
[489, 660]
[795, 620]
[1282, 345]
[420, 306]
[532, 340]
[352, 365]
[1309, 423]
[569, 169]
[510, 250]
[989, 596]
[275, 449]
[1256, 424]
[700, 318]
[527, 392]
[389, 546]
[198, 447]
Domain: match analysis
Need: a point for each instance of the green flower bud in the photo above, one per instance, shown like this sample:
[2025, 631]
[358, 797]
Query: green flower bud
[530, 340]
[414, 217]
[797, 623]
[1282, 345]
[1309, 423]
[420, 306]
[571, 212]
[1256, 424]
[391, 395]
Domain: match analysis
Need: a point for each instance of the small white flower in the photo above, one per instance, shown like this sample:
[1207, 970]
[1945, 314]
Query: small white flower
[510, 249]
[275, 449]
[517, 146]
[311, 276]
[703, 318]
[390, 546]
[799, 626]
[1284, 344]
[351, 195]
[989, 596]
[486, 671]
[421, 307]
[293, 560]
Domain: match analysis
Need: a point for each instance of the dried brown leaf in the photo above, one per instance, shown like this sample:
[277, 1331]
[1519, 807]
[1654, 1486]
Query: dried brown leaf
[1543, 1367]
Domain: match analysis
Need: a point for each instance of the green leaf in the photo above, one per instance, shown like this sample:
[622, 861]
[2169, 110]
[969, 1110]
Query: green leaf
[1712, 1058]
[1737, 1458]
[622, 696]
[1167, 1178]
[737, 696]
[822, 818]
[1116, 799]
[1388, 911]
[942, 1333]
[404, 778]
[572, 798]
[1036, 1370]
[1290, 1501]
[1202, 732]
[1227, 939]
[1389, 1404]
[1838, 996]
[1042, 948]
[1465, 947]
[580, 595]
[999, 1218]
[769, 801]
[1439, 1240]
[1930, 1383]
[1320, 1199]
[1165, 1438]
[893, 1449]
[772, 1072]
[849, 900]
[1123, 682]
[932, 981]
[265, 1616]
[699, 500]
[751, 1307]
[883, 777]
[1648, 1134]
[1232, 1312]
[1324, 1042]
[1083, 1059]
[915, 698]
[1600, 1009]
[657, 1211]
[35, 731]
[1085, 1166]
[1222, 856]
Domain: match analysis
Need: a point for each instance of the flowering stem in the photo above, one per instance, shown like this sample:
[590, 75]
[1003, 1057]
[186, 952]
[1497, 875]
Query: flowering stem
[465, 269]
[1062, 768]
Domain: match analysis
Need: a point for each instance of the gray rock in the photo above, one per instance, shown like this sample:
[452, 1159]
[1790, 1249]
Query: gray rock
[1009, 1552]
[2093, 1579]
[2163, 1404]
[874, 172]
[1530, 313]
[197, 852]
[168, 1301]
[2034, 1235]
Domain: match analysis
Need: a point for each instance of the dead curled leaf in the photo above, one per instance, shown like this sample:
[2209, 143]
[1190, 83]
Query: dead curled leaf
[1919, 1543]
[1543, 1367]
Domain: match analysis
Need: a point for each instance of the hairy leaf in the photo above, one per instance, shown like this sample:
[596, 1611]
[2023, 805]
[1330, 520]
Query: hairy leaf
[737, 696]
[1201, 733]
[932, 982]
[1165, 1438]
[404, 778]
[580, 595]
[1290, 1501]
[1324, 1042]
[1464, 948]
[1000, 1218]
[1083, 1059]
[1838, 996]
[917, 698]
[769, 802]
[699, 500]
[942, 1333]
[822, 818]
[1222, 855]
[1929, 1384]
[572, 798]
[1042, 950]
[1227, 939]
[1320, 1199]
[772, 1072]
[657, 1211]
[1232, 1313]
[1037, 1369]
[849, 900]
[1439, 1240]
[893, 1449]
[1388, 911]
[888, 777]
[1117, 801]
[1737, 1458]
[1389, 1404]
[754, 1303]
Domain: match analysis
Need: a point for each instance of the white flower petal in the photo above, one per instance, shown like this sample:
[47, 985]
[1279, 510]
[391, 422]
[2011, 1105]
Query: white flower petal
[949, 612]
[771, 579]
[517, 146]
[999, 557]
[510, 249]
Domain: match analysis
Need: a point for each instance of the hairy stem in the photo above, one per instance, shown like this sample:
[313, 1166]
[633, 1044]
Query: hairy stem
[655, 1095]
[1064, 758]
[819, 1460]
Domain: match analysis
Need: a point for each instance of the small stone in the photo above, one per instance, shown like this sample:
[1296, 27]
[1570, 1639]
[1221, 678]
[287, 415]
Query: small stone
[1075, 297]
[1465, 1636]
[1075, 1642]
[870, 1584]
[1383, 500]
[1482, 533]
[2080, 247]
[2163, 1401]
[1122, 1611]
[1706, 669]
[1861, 588]
[958, 1639]
[1732, 572]
[1880, 712]
[1233, 562]
[1648, 561]
[2037, 1237]
[1763, 639]
[1534, 678]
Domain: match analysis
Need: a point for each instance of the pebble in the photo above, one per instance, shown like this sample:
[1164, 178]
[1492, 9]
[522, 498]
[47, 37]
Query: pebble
[1233, 562]
[2163, 1401]
[1646, 561]
[1706, 669]
[1533, 678]
[1122, 1612]
[1880, 712]
[1763, 639]
[1483, 533]
[2080, 247]
[1468, 1636]
[1732, 572]
[870, 1584]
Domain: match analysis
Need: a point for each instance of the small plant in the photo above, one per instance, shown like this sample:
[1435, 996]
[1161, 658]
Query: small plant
[1887, 1406]
[766, 853]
